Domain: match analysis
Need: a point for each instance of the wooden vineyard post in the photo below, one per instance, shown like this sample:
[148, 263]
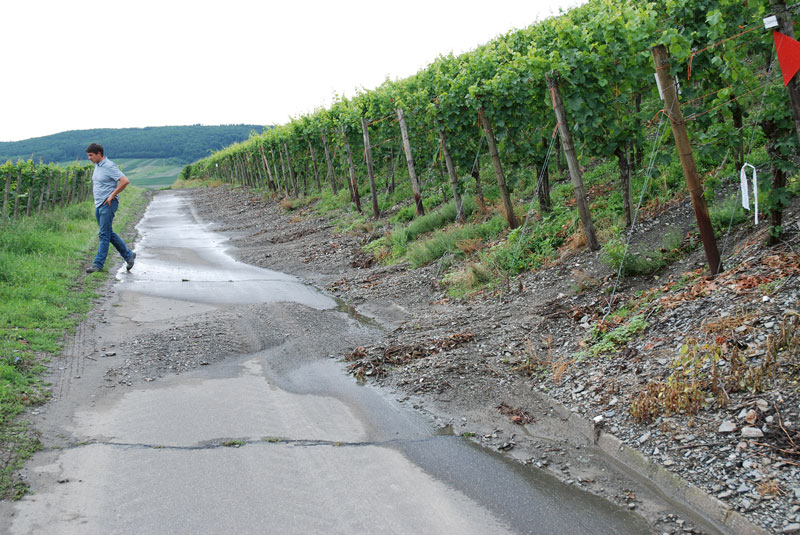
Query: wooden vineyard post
[314, 164]
[279, 179]
[353, 183]
[786, 27]
[673, 111]
[451, 171]
[283, 173]
[572, 164]
[262, 178]
[420, 210]
[5, 197]
[292, 176]
[329, 163]
[498, 169]
[370, 169]
[545, 204]
[29, 200]
[16, 194]
[73, 184]
[269, 171]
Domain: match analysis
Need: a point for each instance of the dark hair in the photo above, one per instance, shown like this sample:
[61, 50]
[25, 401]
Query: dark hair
[95, 148]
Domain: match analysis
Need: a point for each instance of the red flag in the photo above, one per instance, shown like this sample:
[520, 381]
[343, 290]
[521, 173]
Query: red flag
[788, 55]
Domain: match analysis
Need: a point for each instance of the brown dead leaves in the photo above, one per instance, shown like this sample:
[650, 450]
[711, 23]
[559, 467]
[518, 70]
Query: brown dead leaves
[373, 361]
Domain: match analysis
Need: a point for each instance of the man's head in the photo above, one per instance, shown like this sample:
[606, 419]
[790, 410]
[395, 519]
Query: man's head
[95, 153]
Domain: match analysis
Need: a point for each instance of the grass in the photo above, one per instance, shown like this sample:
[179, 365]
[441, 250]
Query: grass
[43, 295]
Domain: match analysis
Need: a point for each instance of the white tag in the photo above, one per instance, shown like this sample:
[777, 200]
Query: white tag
[770, 22]
[745, 194]
[658, 83]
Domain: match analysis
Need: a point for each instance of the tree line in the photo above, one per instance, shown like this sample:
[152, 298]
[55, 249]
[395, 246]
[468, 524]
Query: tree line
[185, 144]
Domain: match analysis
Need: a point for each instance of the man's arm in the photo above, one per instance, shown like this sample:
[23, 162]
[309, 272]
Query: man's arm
[121, 185]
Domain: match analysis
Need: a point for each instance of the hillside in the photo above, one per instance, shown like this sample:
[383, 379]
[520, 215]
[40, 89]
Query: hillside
[184, 144]
[691, 380]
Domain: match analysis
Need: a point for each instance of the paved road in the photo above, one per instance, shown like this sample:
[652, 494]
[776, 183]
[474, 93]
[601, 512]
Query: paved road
[275, 440]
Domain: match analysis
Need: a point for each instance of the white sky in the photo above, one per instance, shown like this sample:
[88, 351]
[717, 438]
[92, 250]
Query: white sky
[71, 65]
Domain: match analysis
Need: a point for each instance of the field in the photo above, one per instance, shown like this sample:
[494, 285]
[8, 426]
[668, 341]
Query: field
[150, 173]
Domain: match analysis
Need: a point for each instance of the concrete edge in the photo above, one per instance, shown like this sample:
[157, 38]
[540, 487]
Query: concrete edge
[714, 510]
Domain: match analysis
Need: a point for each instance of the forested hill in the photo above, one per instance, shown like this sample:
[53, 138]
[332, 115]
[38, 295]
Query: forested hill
[184, 143]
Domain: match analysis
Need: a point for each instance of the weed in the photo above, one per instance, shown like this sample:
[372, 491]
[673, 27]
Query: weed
[610, 340]
[233, 443]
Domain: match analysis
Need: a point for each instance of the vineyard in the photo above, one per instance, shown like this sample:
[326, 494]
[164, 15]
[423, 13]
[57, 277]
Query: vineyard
[481, 135]
[32, 189]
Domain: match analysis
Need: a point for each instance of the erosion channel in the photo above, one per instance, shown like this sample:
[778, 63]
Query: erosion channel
[204, 395]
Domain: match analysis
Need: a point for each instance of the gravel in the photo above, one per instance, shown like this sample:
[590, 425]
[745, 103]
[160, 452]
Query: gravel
[527, 347]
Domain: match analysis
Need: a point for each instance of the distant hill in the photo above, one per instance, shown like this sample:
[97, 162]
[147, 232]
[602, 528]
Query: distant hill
[183, 144]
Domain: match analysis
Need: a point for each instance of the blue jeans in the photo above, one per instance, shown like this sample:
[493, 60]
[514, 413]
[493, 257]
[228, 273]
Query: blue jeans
[105, 217]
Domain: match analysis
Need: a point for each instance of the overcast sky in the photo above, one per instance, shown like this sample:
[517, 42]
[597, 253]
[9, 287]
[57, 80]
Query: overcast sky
[71, 65]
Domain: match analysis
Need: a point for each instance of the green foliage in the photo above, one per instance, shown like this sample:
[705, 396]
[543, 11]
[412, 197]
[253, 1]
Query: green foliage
[611, 340]
[631, 263]
[727, 214]
[455, 241]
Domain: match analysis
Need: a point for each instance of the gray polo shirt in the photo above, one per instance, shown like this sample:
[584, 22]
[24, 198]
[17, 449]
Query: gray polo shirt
[105, 178]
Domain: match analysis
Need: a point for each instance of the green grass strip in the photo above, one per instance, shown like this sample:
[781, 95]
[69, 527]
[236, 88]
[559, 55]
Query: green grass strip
[44, 294]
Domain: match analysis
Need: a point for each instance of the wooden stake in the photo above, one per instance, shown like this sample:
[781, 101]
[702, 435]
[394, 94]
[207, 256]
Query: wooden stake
[420, 210]
[572, 164]
[451, 171]
[314, 163]
[787, 28]
[329, 163]
[673, 111]
[353, 183]
[5, 197]
[370, 169]
[498, 169]
[269, 171]
[292, 176]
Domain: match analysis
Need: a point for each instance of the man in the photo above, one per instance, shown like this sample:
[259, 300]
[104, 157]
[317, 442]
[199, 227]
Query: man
[107, 182]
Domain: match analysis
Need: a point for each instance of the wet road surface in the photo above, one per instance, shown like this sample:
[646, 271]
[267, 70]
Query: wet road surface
[279, 440]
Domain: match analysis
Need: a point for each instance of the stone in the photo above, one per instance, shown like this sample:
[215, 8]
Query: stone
[644, 438]
[790, 528]
[752, 432]
[762, 405]
[727, 427]
[751, 417]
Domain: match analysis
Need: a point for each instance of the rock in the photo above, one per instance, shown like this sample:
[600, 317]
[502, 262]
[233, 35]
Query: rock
[762, 405]
[751, 417]
[752, 432]
[644, 438]
[598, 419]
[790, 528]
[727, 427]
[742, 415]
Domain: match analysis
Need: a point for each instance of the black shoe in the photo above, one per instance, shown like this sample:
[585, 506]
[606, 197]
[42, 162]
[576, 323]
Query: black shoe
[92, 269]
[129, 261]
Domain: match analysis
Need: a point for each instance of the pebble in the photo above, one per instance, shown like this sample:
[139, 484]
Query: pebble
[727, 427]
[752, 432]
[790, 528]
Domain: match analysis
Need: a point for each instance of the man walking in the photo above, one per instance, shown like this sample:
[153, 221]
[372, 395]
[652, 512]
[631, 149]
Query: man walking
[107, 182]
